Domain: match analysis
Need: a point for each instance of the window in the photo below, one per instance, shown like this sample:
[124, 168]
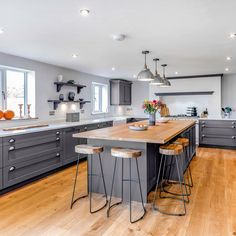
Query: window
[99, 98]
[17, 87]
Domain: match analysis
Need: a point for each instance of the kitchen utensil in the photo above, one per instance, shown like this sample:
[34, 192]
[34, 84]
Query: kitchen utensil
[71, 96]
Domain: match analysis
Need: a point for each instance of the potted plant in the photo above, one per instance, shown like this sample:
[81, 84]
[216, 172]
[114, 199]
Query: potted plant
[151, 107]
[227, 111]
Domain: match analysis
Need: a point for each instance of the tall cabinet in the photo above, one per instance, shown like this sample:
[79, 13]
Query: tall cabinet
[120, 92]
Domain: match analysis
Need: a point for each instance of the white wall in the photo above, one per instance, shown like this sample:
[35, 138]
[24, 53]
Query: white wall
[45, 75]
[179, 104]
[140, 92]
[229, 92]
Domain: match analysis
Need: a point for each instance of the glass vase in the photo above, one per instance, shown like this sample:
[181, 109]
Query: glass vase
[152, 119]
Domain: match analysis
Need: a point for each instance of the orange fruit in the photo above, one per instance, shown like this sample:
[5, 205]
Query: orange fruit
[8, 114]
[1, 114]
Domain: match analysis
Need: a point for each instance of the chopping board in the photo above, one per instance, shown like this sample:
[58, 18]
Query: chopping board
[164, 111]
[24, 127]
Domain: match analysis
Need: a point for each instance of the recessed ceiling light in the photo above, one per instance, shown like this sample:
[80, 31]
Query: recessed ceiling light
[84, 12]
[228, 58]
[118, 37]
[1, 31]
[176, 72]
[74, 55]
[113, 68]
[232, 35]
[226, 69]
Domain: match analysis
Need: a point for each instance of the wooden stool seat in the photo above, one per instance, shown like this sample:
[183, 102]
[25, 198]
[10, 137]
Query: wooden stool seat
[125, 152]
[182, 141]
[171, 149]
[88, 149]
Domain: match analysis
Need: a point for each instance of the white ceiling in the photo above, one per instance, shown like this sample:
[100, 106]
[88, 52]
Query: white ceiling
[191, 36]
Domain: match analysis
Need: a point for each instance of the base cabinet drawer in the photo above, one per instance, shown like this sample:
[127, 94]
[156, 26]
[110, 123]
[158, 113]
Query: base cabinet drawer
[218, 140]
[1, 179]
[27, 140]
[25, 170]
[13, 155]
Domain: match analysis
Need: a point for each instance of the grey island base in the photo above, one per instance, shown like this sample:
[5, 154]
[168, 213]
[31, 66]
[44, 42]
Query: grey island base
[146, 141]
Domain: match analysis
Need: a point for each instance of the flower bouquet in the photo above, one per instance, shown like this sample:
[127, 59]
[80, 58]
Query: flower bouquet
[151, 107]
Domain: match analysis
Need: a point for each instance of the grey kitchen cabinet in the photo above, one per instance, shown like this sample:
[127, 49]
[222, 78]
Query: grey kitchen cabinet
[69, 142]
[221, 133]
[25, 147]
[120, 92]
[1, 158]
[28, 155]
[25, 156]
[1, 179]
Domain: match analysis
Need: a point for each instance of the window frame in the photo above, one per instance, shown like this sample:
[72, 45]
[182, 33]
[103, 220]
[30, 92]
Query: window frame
[3, 87]
[101, 85]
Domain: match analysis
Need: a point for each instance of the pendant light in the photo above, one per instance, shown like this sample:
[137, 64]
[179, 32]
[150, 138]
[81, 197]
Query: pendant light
[157, 78]
[145, 74]
[166, 81]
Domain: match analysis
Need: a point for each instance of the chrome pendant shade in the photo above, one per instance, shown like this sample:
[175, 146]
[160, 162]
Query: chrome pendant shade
[145, 74]
[165, 80]
[157, 78]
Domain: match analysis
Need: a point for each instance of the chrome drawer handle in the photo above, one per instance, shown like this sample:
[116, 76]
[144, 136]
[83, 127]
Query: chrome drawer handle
[12, 168]
[98, 126]
[203, 126]
[57, 133]
[12, 140]
[203, 135]
[85, 128]
[233, 123]
[11, 148]
[58, 154]
[233, 127]
[233, 137]
[57, 139]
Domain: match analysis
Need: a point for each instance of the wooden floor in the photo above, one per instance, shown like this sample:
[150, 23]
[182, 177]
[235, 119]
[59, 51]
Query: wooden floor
[42, 208]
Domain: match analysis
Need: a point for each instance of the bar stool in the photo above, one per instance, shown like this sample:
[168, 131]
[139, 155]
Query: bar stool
[129, 154]
[173, 151]
[91, 151]
[185, 143]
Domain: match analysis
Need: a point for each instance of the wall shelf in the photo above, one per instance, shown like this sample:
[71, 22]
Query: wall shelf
[57, 102]
[185, 93]
[61, 84]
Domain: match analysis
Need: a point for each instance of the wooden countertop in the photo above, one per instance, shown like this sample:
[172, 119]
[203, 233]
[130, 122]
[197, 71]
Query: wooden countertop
[161, 133]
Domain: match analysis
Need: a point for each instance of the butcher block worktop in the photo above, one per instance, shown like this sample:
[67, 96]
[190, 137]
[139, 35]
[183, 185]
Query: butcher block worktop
[161, 133]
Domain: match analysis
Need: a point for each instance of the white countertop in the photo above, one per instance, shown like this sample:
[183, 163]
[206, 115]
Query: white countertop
[216, 118]
[60, 125]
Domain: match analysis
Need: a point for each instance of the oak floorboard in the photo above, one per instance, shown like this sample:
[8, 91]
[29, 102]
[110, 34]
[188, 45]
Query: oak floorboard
[43, 207]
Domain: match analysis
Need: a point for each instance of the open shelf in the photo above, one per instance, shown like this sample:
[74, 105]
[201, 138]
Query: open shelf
[61, 84]
[185, 93]
[57, 102]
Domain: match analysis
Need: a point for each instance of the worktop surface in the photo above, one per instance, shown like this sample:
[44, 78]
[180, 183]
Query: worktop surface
[58, 125]
[160, 133]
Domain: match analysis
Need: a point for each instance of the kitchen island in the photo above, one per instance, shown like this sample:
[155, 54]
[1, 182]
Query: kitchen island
[147, 141]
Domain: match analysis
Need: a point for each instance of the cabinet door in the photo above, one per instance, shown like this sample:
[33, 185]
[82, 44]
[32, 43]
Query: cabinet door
[69, 145]
[127, 94]
[122, 94]
[1, 154]
[1, 179]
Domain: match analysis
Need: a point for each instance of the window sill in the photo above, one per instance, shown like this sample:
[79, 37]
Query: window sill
[19, 119]
[99, 113]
